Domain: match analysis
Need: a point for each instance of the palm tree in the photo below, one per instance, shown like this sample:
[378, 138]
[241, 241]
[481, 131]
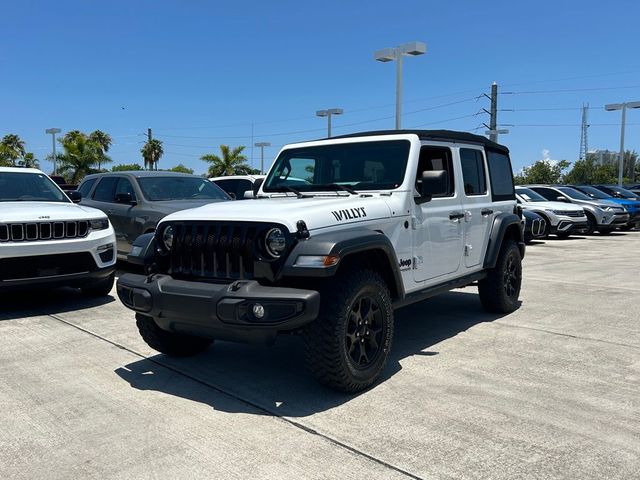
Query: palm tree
[151, 153]
[11, 149]
[232, 162]
[79, 157]
[29, 161]
[103, 140]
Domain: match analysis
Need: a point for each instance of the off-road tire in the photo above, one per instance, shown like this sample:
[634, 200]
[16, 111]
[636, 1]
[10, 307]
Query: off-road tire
[591, 224]
[170, 343]
[500, 290]
[332, 339]
[101, 288]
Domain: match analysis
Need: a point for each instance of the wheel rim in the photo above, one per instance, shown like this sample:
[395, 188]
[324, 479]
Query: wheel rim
[365, 329]
[510, 280]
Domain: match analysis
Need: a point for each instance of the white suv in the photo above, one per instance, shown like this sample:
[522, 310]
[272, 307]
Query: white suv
[47, 240]
[344, 231]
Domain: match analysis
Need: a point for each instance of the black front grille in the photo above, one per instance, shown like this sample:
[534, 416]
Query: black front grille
[30, 232]
[216, 250]
[23, 268]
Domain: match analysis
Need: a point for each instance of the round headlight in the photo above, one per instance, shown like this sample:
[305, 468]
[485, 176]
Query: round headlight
[275, 242]
[167, 237]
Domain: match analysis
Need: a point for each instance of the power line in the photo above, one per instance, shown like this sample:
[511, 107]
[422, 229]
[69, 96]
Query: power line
[570, 90]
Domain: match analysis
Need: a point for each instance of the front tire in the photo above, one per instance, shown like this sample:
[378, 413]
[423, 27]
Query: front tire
[591, 224]
[170, 343]
[500, 290]
[347, 346]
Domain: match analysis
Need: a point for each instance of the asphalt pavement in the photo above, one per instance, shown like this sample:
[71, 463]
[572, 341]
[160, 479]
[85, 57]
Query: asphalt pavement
[550, 391]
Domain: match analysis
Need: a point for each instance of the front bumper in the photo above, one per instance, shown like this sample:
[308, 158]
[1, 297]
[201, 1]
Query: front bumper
[219, 311]
[569, 224]
[77, 280]
[614, 220]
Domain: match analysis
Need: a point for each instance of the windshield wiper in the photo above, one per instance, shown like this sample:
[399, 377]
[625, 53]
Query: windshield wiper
[287, 188]
[336, 186]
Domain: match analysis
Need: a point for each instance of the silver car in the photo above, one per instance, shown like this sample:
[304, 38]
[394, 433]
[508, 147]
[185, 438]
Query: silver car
[136, 201]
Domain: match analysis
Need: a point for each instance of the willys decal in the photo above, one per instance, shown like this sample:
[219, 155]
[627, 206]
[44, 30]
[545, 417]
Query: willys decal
[349, 214]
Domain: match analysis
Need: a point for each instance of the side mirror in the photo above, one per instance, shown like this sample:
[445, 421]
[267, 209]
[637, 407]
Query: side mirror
[256, 186]
[434, 182]
[74, 195]
[561, 199]
[248, 194]
[125, 198]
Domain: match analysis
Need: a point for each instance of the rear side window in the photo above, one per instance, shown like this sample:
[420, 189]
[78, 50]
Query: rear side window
[501, 176]
[473, 175]
[105, 191]
[85, 188]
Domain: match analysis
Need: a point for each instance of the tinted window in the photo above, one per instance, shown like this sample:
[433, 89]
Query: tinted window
[105, 191]
[159, 189]
[85, 188]
[501, 176]
[593, 192]
[547, 193]
[229, 186]
[124, 186]
[473, 175]
[529, 195]
[29, 187]
[433, 159]
[573, 193]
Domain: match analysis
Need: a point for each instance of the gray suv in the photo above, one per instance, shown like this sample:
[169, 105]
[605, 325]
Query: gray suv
[136, 201]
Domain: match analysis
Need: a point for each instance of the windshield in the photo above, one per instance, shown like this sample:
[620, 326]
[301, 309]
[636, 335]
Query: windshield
[573, 193]
[594, 192]
[29, 187]
[621, 192]
[529, 195]
[346, 166]
[159, 189]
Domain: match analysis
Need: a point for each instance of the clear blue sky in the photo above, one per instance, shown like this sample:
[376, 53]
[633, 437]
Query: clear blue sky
[199, 73]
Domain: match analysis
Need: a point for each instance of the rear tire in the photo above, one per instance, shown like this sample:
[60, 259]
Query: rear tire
[347, 346]
[101, 288]
[170, 343]
[500, 290]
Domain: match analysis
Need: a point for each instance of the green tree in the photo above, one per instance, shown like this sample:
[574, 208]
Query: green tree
[602, 168]
[103, 141]
[231, 162]
[542, 171]
[126, 167]
[79, 157]
[151, 153]
[29, 161]
[11, 149]
[180, 168]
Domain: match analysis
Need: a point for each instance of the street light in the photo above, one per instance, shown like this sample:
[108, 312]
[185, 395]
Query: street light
[390, 54]
[621, 106]
[328, 113]
[53, 132]
[262, 145]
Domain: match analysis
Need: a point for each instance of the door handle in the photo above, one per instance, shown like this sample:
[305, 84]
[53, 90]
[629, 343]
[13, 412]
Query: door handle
[455, 216]
[486, 212]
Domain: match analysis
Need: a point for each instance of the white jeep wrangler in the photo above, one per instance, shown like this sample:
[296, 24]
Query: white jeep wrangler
[342, 232]
[46, 240]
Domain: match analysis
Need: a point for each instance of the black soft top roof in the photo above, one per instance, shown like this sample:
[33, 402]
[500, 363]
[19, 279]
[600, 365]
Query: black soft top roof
[441, 135]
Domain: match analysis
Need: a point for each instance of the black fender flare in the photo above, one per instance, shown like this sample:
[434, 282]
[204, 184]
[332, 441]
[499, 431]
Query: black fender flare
[343, 244]
[502, 223]
[143, 250]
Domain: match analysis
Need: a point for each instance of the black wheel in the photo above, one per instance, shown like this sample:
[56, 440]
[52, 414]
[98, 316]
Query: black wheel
[101, 288]
[626, 228]
[173, 344]
[563, 234]
[591, 224]
[348, 345]
[500, 290]
[605, 231]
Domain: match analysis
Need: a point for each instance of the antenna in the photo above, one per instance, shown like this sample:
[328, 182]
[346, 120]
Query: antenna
[584, 141]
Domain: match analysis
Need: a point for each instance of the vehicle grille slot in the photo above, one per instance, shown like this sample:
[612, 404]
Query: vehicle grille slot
[71, 229]
[58, 230]
[83, 228]
[4, 233]
[45, 231]
[31, 231]
[17, 232]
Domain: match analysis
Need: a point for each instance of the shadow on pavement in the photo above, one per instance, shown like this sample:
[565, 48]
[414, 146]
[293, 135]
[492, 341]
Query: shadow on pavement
[275, 379]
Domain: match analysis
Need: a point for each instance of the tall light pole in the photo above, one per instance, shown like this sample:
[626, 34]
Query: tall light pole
[621, 106]
[262, 145]
[53, 132]
[328, 113]
[396, 53]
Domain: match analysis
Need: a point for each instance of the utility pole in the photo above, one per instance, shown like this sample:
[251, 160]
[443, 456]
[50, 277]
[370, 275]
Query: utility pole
[493, 115]
[149, 138]
[262, 145]
[584, 144]
[623, 107]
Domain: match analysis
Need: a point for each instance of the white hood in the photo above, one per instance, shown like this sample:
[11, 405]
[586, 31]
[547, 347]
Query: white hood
[317, 212]
[567, 207]
[24, 212]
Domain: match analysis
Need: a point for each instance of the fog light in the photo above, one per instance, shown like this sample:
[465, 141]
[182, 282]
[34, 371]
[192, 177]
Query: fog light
[258, 311]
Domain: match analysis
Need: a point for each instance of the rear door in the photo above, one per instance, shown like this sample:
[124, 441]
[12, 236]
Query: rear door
[478, 207]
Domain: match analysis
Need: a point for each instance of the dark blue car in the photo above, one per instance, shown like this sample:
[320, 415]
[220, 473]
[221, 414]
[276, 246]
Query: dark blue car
[632, 206]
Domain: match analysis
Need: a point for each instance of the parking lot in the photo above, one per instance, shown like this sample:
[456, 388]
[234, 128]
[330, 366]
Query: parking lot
[549, 391]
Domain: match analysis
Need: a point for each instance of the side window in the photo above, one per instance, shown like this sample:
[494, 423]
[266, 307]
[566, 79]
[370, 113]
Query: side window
[105, 191]
[475, 182]
[228, 186]
[124, 186]
[547, 193]
[243, 186]
[85, 188]
[436, 158]
[501, 176]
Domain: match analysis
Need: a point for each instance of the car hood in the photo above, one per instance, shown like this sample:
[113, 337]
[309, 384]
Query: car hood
[172, 206]
[631, 204]
[46, 211]
[567, 207]
[317, 212]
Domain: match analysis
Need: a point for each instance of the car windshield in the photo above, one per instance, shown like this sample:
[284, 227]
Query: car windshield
[348, 166]
[573, 193]
[29, 187]
[529, 195]
[594, 192]
[160, 189]
[622, 192]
